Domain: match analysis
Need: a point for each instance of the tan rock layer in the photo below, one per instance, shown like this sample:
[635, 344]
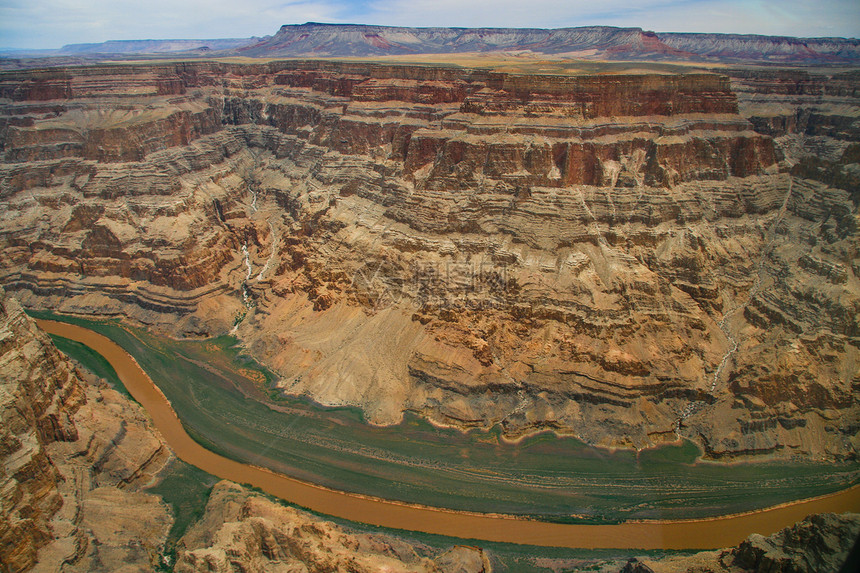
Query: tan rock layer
[74, 459]
[242, 529]
[40, 395]
[77, 456]
[624, 258]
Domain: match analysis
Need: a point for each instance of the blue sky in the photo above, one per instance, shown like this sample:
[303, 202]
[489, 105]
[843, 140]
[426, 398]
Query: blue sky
[54, 23]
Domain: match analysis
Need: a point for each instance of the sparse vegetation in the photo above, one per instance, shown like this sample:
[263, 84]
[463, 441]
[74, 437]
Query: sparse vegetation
[92, 361]
[186, 490]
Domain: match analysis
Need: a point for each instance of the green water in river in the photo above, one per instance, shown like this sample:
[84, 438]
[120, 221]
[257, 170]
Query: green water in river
[555, 478]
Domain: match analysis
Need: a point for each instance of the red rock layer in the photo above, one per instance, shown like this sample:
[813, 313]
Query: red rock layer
[621, 257]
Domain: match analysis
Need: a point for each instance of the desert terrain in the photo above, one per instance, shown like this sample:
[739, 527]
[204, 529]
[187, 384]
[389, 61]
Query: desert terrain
[628, 253]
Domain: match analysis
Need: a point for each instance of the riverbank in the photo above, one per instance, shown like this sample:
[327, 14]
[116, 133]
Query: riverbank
[680, 534]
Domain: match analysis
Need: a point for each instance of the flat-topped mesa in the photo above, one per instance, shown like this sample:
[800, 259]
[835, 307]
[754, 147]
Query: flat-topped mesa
[601, 43]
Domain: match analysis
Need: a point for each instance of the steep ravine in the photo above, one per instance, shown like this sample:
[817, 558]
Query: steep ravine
[481, 248]
[77, 463]
[78, 456]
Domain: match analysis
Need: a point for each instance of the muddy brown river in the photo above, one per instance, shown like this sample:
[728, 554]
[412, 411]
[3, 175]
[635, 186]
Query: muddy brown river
[710, 533]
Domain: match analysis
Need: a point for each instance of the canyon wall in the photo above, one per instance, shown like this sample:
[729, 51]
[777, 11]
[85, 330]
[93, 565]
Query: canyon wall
[625, 258]
[77, 460]
[586, 42]
[40, 395]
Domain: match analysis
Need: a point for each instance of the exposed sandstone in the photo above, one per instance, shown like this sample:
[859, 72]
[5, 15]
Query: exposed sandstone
[580, 254]
[89, 458]
[75, 458]
[243, 529]
[818, 543]
[78, 456]
[40, 395]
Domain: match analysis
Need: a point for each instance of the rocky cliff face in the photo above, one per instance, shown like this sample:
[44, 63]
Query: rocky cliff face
[77, 457]
[40, 395]
[818, 543]
[246, 530]
[74, 459]
[627, 258]
[599, 42]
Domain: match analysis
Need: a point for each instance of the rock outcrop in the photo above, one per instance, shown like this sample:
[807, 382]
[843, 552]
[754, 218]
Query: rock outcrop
[818, 543]
[628, 258]
[40, 395]
[75, 459]
[246, 530]
[588, 42]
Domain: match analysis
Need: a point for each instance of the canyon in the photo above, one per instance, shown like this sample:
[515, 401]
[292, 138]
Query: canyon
[79, 460]
[629, 258]
[75, 458]
[585, 42]
[77, 465]
[595, 242]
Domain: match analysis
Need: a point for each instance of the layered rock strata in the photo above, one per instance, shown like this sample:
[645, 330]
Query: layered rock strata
[75, 463]
[820, 542]
[587, 42]
[40, 395]
[244, 530]
[75, 458]
[626, 258]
